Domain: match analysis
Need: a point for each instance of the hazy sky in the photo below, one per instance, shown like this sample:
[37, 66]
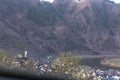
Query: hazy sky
[117, 1]
[49, 0]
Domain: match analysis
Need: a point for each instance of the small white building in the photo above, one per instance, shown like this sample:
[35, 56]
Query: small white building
[25, 54]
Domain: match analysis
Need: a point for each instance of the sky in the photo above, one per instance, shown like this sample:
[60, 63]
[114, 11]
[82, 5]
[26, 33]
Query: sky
[116, 1]
[49, 0]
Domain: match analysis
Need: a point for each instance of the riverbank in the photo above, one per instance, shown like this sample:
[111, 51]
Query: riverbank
[113, 62]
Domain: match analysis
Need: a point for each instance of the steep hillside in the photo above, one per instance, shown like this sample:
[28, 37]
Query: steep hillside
[42, 28]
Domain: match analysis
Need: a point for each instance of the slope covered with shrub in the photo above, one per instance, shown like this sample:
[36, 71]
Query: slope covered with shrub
[83, 27]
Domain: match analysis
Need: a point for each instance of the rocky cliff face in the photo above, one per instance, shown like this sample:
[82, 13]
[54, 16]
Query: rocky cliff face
[83, 26]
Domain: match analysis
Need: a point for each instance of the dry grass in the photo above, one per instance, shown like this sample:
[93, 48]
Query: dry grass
[112, 62]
